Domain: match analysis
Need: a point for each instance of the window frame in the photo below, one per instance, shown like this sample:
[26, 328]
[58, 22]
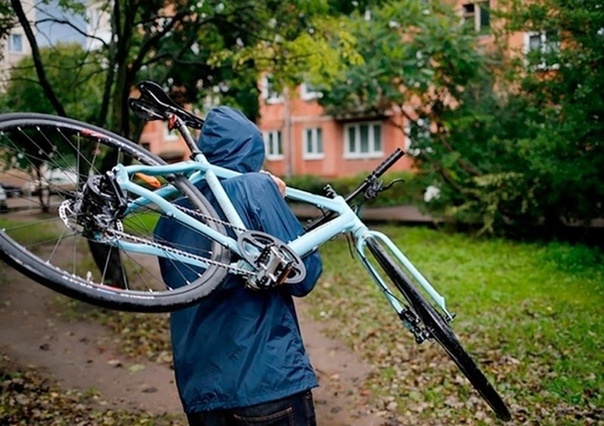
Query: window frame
[269, 144]
[476, 16]
[307, 94]
[546, 46]
[11, 44]
[269, 95]
[372, 152]
[315, 154]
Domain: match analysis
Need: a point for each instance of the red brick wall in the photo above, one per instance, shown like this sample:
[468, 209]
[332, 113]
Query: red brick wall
[308, 114]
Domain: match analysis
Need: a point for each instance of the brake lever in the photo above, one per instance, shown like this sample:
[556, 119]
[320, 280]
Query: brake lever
[376, 186]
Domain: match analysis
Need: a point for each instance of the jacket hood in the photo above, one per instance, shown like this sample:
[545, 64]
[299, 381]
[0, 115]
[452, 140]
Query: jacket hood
[230, 140]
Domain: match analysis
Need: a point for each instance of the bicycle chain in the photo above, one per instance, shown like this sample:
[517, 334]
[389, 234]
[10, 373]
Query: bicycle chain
[118, 233]
[192, 212]
[124, 235]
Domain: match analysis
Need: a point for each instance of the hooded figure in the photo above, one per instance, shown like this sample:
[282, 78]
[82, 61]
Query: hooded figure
[239, 347]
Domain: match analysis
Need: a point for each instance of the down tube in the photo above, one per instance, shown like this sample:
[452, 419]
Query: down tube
[440, 300]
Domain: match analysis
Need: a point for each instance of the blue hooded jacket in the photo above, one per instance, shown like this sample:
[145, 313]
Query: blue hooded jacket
[239, 347]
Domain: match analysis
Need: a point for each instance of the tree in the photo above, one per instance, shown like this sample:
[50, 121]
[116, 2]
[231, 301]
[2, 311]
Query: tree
[416, 58]
[530, 152]
[190, 48]
[562, 83]
[72, 72]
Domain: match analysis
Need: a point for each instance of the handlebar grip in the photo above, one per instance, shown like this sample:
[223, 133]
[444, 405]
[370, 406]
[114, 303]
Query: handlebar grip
[388, 162]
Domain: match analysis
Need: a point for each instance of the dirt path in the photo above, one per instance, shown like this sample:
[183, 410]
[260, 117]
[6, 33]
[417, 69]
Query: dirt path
[83, 355]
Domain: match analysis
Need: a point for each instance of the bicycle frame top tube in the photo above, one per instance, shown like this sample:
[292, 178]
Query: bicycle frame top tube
[201, 169]
[344, 221]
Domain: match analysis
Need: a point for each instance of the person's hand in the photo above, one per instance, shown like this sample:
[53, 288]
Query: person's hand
[280, 184]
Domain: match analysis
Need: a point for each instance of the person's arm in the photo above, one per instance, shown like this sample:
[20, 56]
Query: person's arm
[281, 186]
[276, 218]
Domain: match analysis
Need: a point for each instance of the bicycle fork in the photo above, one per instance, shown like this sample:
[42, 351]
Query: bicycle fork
[406, 315]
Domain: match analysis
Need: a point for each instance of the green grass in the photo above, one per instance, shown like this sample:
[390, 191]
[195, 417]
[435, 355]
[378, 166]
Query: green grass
[141, 221]
[530, 314]
[28, 233]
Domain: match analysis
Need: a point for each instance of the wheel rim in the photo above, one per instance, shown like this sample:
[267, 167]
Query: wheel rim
[29, 149]
[440, 330]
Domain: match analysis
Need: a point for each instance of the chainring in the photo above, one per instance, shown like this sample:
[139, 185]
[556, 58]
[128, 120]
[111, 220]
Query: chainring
[253, 243]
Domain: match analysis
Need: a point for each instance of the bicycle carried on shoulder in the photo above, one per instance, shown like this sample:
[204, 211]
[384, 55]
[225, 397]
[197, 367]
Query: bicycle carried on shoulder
[121, 190]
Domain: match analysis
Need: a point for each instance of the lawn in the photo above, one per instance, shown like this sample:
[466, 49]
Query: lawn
[529, 313]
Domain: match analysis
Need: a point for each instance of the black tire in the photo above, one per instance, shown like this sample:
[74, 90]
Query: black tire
[438, 329]
[39, 243]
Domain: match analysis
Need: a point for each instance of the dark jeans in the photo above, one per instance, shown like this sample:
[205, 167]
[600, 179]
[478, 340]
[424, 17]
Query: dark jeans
[295, 410]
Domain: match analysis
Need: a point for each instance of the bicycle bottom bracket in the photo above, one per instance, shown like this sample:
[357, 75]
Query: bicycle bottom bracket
[275, 263]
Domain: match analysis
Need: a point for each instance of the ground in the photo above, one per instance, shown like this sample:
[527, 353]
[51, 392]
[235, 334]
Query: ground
[84, 355]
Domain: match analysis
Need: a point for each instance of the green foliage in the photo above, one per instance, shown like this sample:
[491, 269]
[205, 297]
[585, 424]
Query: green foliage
[565, 108]
[7, 21]
[474, 160]
[203, 49]
[531, 152]
[75, 75]
[411, 51]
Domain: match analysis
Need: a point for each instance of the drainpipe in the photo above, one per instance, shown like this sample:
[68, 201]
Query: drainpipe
[287, 135]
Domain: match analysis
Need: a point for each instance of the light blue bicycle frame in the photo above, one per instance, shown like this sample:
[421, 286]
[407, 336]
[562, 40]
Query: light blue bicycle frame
[346, 221]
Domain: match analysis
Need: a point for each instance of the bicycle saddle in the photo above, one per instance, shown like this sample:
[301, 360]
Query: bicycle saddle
[154, 104]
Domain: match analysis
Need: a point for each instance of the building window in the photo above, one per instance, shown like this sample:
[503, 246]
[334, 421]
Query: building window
[273, 145]
[308, 93]
[269, 93]
[363, 140]
[538, 46]
[313, 143]
[15, 43]
[476, 15]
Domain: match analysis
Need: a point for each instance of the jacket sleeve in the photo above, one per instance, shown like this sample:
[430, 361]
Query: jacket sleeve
[276, 218]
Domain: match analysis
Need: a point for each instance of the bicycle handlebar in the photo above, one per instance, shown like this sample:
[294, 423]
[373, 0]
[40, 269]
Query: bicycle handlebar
[376, 173]
[154, 104]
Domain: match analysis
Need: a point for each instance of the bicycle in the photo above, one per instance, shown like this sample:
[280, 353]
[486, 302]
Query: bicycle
[123, 189]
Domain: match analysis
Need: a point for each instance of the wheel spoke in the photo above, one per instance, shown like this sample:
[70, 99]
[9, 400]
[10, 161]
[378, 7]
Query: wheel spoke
[62, 237]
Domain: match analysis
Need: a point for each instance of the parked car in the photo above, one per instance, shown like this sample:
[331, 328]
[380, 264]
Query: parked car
[3, 206]
[55, 181]
[11, 190]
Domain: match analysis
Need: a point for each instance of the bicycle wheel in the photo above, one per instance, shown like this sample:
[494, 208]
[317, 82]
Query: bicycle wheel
[51, 158]
[438, 328]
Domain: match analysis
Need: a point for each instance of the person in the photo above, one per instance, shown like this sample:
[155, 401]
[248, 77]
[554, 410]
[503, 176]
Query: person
[239, 357]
